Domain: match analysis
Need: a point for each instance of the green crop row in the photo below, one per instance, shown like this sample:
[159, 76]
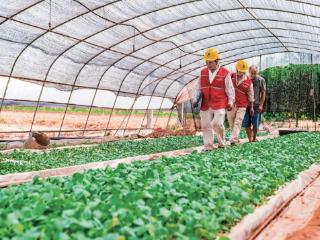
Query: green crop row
[33, 161]
[191, 197]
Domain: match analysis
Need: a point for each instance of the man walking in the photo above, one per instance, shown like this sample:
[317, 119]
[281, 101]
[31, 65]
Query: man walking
[259, 88]
[215, 86]
[244, 96]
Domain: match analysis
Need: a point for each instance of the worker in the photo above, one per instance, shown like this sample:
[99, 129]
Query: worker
[244, 97]
[259, 89]
[216, 88]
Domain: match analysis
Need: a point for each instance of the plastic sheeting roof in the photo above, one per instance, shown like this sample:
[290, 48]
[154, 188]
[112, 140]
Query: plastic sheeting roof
[149, 47]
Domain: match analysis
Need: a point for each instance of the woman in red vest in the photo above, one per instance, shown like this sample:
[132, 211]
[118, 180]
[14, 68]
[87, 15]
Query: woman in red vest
[244, 95]
[217, 91]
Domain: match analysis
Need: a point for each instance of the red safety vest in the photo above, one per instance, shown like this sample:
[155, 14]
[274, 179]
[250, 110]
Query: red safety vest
[214, 93]
[241, 91]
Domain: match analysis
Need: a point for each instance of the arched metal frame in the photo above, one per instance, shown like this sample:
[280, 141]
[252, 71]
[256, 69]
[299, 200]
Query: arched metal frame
[286, 43]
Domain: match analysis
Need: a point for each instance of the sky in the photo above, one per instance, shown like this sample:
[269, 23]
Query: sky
[22, 90]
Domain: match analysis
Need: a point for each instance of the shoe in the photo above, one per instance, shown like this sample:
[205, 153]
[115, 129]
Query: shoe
[255, 140]
[221, 146]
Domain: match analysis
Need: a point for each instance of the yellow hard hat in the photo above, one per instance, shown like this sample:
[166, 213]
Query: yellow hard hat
[242, 66]
[211, 54]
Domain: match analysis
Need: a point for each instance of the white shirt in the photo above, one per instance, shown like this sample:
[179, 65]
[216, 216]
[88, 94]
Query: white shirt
[228, 85]
[240, 80]
[213, 74]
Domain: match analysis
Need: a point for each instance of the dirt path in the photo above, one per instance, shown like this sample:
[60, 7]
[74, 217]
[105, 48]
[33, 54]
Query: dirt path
[311, 231]
[300, 220]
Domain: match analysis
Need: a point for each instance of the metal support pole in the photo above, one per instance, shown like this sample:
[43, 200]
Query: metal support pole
[260, 64]
[314, 95]
[149, 118]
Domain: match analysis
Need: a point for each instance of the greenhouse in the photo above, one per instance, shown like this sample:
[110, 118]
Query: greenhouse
[158, 119]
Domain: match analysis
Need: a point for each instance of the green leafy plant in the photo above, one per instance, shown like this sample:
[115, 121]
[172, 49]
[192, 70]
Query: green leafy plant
[33, 161]
[288, 91]
[197, 196]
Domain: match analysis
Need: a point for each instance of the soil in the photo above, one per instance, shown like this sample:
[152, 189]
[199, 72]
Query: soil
[163, 133]
[299, 220]
[50, 121]
[97, 123]
[302, 124]
[311, 231]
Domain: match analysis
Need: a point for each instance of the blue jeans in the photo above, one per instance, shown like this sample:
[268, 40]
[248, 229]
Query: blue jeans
[255, 120]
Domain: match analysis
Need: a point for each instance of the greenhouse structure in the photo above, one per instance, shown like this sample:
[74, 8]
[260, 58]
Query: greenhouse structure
[131, 119]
